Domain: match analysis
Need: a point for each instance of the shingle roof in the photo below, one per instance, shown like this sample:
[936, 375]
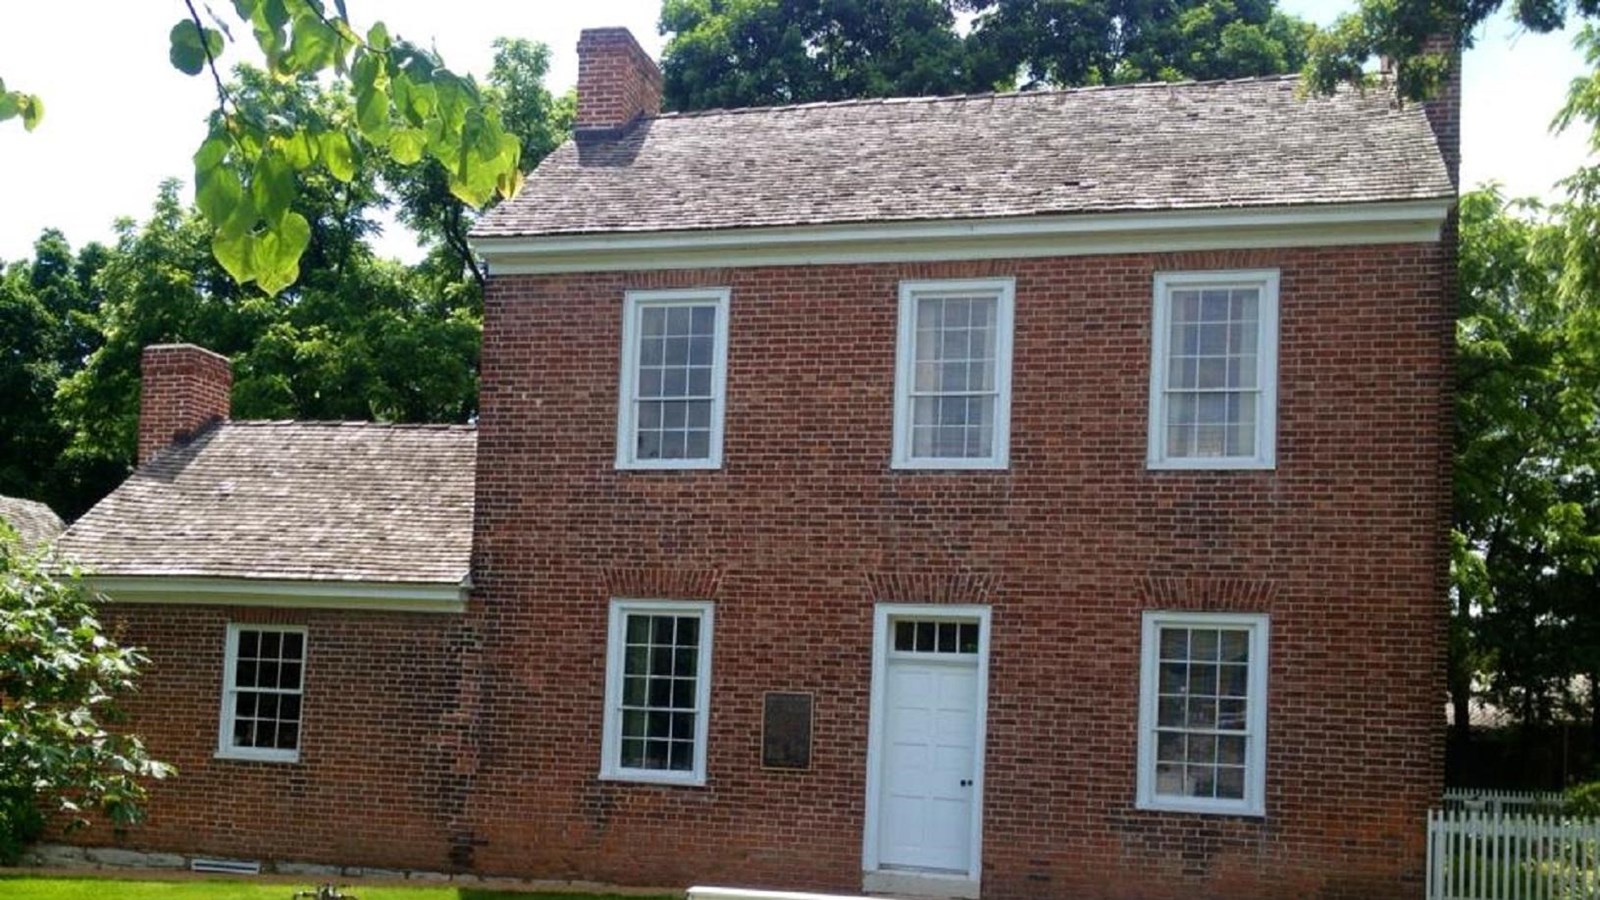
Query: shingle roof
[34, 522]
[292, 500]
[1192, 145]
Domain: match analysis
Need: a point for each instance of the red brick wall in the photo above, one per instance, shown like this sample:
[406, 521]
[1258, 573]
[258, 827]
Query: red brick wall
[617, 80]
[183, 388]
[377, 783]
[806, 527]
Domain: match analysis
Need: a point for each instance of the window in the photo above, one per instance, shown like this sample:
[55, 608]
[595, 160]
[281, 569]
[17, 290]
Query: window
[658, 692]
[674, 360]
[1213, 372]
[953, 383]
[261, 692]
[1203, 713]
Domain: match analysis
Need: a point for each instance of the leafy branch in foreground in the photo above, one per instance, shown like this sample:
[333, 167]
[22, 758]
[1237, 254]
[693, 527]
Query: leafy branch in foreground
[16, 103]
[59, 676]
[407, 107]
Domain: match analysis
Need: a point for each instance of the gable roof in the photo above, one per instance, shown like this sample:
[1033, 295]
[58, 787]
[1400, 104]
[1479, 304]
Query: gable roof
[34, 522]
[292, 500]
[1150, 147]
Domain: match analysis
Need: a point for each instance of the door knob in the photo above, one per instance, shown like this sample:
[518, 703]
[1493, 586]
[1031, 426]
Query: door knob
[966, 782]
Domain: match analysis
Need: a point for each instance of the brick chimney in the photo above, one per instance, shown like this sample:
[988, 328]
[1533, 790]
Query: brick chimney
[1444, 107]
[183, 389]
[617, 81]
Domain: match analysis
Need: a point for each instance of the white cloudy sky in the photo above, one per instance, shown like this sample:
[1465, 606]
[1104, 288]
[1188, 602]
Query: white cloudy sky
[119, 118]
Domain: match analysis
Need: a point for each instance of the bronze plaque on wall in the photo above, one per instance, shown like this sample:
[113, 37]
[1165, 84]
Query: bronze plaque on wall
[786, 731]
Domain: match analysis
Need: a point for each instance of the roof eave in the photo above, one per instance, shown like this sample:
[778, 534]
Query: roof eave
[1136, 231]
[299, 593]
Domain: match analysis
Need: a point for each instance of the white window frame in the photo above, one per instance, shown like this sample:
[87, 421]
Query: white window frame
[1004, 292]
[1255, 781]
[225, 748]
[1266, 281]
[628, 382]
[611, 768]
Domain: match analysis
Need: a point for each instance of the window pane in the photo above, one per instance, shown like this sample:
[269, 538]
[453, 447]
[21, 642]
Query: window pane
[660, 690]
[1230, 782]
[954, 378]
[1201, 728]
[1211, 373]
[682, 756]
[675, 362]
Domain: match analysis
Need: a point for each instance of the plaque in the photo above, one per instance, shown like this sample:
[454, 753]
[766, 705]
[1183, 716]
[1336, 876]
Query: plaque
[786, 731]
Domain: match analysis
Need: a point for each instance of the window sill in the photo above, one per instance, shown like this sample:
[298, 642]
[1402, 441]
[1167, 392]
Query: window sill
[1200, 807]
[686, 465]
[648, 776]
[1220, 464]
[950, 465]
[266, 756]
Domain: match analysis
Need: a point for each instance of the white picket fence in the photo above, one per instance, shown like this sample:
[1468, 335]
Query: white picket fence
[1479, 856]
[1495, 802]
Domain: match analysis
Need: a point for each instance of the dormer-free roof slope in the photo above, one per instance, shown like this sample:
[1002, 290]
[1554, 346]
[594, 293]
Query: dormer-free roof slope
[34, 523]
[1152, 147]
[292, 501]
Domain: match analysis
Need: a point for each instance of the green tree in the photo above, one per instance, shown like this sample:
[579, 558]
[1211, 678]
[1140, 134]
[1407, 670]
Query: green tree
[540, 122]
[48, 325]
[403, 104]
[60, 676]
[731, 53]
[1071, 42]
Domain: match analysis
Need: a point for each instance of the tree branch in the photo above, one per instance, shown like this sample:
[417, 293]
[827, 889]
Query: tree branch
[211, 61]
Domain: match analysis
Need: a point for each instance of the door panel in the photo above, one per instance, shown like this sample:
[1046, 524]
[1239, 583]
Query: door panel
[928, 769]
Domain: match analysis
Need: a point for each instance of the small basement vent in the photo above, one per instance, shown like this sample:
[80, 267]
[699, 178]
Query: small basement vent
[228, 866]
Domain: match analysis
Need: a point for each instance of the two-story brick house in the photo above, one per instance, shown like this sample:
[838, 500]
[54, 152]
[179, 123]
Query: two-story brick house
[1019, 495]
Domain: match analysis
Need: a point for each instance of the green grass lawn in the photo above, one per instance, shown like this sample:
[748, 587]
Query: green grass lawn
[31, 887]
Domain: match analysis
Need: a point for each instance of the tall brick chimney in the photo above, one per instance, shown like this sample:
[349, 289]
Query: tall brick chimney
[1444, 107]
[617, 81]
[183, 389]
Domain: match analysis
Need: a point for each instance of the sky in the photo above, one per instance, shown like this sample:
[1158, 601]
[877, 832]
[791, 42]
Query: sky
[119, 119]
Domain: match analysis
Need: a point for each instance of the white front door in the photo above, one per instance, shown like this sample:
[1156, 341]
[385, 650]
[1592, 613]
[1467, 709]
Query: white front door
[928, 738]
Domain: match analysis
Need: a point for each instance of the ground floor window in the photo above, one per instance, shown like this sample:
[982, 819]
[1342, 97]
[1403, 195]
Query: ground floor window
[263, 684]
[1202, 712]
[658, 689]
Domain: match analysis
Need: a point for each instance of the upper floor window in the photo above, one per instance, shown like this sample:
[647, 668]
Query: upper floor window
[1214, 370]
[1203, 713]
[658, 691]
[261, 691]
[674, 364]
[953, 379]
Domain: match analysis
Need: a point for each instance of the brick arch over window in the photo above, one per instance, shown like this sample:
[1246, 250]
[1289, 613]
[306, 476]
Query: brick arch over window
[933, 587]
[663, 583]
[1203, 593]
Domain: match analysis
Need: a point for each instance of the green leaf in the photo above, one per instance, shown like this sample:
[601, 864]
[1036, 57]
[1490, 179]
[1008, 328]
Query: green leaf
[10, 105]
[372, 113]
[378, 37]
[211, 153]
[32, 112]
[272, 186]
[275, 253]
[217, 192]
[338, 155]
[300, 149]
[187, 53]
[406, 145]
[233, 252]
[314, 46]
